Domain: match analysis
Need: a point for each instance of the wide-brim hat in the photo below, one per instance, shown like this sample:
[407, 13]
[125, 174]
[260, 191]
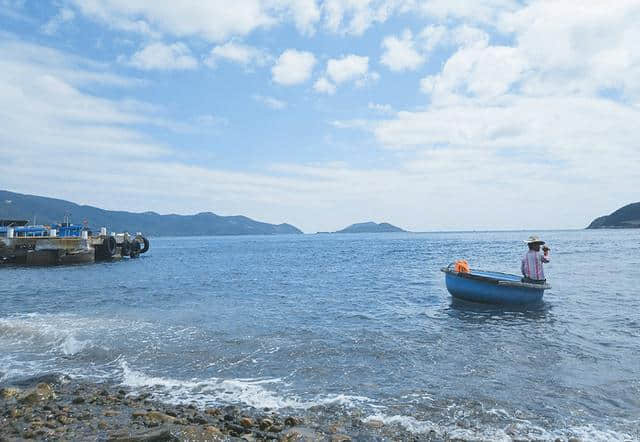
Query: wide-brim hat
[534, 240]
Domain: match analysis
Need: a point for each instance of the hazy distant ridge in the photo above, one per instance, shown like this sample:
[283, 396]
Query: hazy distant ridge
[51, 210]
[625, 217]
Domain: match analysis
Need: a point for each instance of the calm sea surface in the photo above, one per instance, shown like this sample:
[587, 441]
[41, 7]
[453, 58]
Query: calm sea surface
[349, 325]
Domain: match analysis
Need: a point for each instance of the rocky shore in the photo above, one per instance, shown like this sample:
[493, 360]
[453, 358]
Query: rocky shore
[56, 407]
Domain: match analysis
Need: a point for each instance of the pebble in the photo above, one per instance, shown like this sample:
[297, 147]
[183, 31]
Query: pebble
[265, 424]
[9, 392]
[246, 422]
[292, 421]
[42, 392]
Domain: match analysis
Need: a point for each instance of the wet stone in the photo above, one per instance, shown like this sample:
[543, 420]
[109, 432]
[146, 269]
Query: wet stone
[199, 420]
[9, 392]
[292, 421]
[246, 422]
[42, 392]
[301, 434]
[159, 435]
[276, 428]
[85, 416]
[235, 429]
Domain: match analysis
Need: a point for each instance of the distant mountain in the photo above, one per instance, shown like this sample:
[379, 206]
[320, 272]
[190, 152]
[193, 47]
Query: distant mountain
[370, 227]
[51, 211]
[625, 217]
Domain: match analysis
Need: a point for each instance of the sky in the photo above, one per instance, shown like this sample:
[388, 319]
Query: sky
[428, 114]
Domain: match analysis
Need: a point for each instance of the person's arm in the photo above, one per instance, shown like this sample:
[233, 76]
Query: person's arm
[546, 257]
[522, 266]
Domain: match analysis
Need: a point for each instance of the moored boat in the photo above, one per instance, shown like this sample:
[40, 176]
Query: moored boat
[492, 287]
[66, 243]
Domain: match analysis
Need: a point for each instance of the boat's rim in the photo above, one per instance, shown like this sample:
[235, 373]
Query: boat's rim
[507, 282]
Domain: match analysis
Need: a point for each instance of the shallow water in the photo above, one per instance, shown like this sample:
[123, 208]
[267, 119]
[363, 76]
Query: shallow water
[357, 324]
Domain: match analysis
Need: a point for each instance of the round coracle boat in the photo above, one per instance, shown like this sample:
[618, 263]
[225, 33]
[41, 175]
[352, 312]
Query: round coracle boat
[491, 287]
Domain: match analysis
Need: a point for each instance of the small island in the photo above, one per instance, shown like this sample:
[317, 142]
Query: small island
[627, 217]
[369, 227]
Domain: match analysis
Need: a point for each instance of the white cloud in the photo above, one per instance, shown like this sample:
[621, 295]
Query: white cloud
[476, 71]
[215, 21]
[431, 36]
[176, 56]
[381, 108]
[305, 13]
[400, 53]
[209, 120]
[270, 102]
[322, 85]
[64, 15]
[466, 35]
[349, 67]
[237, 53]
[478, 11]
[356, 16]
[293, 67]
[210, 20]
[577, 49]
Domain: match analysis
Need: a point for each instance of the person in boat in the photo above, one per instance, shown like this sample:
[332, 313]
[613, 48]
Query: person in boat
[532, 262]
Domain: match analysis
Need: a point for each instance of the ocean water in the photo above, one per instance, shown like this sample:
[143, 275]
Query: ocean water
[356, 325]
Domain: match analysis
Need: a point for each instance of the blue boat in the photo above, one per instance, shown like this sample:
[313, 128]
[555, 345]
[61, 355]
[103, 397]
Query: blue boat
[492, 287]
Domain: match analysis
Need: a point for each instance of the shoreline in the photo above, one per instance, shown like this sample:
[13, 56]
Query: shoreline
[57, 407]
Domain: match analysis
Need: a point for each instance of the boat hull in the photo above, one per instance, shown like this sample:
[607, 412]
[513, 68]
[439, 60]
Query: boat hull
[488, 290]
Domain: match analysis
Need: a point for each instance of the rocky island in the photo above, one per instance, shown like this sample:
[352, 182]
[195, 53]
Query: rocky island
[370, 227]
[627, 217]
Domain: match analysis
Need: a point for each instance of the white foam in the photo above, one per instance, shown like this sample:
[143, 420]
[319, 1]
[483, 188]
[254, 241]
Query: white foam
[590, 433]
[516, 430]
[44, 333]
[71, 346]
[251, 392]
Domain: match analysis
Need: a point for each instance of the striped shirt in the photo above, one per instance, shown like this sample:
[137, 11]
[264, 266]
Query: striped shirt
[532, 264]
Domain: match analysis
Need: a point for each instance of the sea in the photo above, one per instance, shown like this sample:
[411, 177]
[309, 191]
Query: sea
[355, 325]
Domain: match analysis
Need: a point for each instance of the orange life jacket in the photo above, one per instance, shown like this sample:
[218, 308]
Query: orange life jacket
[461, 266]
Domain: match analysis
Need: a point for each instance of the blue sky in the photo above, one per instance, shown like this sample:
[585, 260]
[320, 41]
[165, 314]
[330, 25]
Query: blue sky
[432, 114]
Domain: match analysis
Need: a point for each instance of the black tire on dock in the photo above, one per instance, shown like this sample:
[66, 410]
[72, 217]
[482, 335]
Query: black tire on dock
[145, 248]
[135, 249]
[109, 246]
[125, 249]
